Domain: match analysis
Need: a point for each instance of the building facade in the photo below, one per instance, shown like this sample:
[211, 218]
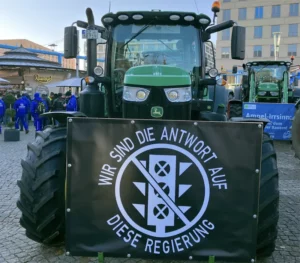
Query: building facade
[262, 18]
[66, 63]
[100, 54]
[210, 52]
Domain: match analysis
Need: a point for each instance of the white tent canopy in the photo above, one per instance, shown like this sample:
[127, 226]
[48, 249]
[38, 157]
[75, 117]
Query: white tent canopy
[4, 81]
[72, 82]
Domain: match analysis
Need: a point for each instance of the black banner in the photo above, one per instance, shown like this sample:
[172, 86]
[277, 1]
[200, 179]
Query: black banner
[162, 189]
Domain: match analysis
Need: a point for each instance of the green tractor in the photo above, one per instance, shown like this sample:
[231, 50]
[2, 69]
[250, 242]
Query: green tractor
[263, 81]
[154, 69]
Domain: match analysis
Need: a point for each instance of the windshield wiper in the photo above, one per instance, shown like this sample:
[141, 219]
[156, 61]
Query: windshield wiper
[138, 33]
[262, 68]
[165, 44]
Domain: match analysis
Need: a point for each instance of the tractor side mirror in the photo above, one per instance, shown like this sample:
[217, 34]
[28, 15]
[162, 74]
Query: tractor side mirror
[234, 69]
[238, 42]
[245, 81]
[70, 42]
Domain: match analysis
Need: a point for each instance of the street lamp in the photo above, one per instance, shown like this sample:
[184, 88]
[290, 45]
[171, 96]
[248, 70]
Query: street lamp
[277, 36]
[53, 46]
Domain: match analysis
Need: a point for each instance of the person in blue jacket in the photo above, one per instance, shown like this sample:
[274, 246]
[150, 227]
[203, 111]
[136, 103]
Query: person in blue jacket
[27, 102]
[46, 101]
[71, 105]
[2, 111]
[38, 107]
[21, 109]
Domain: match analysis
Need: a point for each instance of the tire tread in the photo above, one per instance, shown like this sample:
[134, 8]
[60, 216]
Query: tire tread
[41, 199]
[269, 200]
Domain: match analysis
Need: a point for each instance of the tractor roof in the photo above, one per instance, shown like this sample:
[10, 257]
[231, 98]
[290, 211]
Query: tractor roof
[271, 62]
[157, 17]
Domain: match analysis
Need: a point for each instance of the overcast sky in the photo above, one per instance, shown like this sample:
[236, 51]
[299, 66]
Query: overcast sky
[43, 22]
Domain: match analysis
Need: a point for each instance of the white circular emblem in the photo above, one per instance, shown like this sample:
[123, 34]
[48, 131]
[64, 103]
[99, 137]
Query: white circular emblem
[160, 170]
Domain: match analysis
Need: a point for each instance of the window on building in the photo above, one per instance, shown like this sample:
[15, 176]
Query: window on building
[225, 52]
[272, 51]
[275, 28]
[293, 30]
[276, 11]
[257, 51]
[292, 50]
[294, 9]
[258, 31]
[259, 12]
[242, 13]
[226, 14]
[226, 34]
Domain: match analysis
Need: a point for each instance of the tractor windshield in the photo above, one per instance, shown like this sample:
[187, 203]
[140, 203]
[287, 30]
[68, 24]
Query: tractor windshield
[135, 45]
[269, 73]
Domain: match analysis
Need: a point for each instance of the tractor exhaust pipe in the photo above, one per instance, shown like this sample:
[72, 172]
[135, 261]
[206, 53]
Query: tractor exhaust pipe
[91, 44]
[91, 98]
[90, 16]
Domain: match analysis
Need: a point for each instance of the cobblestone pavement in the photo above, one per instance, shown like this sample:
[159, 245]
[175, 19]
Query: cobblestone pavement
[16, 247]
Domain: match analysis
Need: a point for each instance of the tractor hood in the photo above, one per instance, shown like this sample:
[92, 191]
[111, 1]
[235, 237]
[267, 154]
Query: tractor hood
[157, 76]
[268, 86]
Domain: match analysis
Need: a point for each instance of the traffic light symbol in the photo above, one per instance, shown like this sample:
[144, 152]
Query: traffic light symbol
[162, 169]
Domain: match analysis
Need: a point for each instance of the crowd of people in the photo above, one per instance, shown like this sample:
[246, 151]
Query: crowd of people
[27, 109]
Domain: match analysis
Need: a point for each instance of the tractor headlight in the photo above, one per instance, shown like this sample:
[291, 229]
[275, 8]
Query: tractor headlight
[108, 19]
[179, 94]
[172, 95]
[213, 72]
[274, 93]
[123, 17]
[98, 71]
[204, 21]
[262, 93]
[141, 95]
[135, 94]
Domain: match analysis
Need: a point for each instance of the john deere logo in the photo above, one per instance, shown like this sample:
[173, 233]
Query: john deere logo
[157, 112]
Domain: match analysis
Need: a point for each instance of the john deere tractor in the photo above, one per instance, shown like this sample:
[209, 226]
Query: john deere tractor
[263, 81]
[154, 69]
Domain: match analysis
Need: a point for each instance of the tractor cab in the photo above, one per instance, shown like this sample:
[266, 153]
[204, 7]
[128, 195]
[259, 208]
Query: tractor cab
[155, 64]
[269, 81]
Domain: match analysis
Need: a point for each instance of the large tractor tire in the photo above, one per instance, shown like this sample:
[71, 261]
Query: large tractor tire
[296, 133]
[235, 110]
[269, 200]
[42, 187]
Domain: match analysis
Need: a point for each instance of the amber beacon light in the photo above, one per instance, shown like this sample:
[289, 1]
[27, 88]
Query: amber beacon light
[216, 6]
